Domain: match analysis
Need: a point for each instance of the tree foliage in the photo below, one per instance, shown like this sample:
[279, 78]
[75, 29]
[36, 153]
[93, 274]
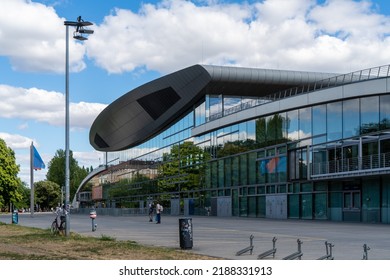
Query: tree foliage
[183, 168]
[235, 147]
[47, 194]
[25, 192]
[9, 181]
[56, 171]
[137, 185]
[270, 131]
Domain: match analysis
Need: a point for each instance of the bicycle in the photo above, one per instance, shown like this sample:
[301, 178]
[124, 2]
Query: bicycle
[58, 228]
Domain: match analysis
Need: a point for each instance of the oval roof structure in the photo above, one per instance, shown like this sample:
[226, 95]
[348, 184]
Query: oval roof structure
[147, 110]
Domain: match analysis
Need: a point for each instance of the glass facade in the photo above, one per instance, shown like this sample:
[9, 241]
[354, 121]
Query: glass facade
[282, 163]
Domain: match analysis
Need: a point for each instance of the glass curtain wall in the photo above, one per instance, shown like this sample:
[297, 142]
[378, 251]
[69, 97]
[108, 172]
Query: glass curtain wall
[266, 155]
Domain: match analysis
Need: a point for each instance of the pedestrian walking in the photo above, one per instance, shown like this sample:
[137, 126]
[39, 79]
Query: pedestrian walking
[159, 210]
[151, 211]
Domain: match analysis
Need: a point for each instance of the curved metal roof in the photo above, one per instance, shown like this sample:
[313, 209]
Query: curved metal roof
[147, 110]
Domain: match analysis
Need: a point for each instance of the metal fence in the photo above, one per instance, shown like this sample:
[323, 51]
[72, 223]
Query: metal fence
[365, 163]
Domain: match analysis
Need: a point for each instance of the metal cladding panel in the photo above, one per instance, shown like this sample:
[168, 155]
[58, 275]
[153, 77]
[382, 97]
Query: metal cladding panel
[263, 76]
[322, 96]
[136, 116]
[256, 82]
[370, 86]
[158, 103]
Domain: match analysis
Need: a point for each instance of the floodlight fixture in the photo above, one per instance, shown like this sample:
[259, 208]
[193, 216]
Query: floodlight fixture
[85, 31]
[78, 36]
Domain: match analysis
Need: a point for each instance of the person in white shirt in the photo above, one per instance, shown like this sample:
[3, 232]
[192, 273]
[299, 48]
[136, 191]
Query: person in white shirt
[159, 209]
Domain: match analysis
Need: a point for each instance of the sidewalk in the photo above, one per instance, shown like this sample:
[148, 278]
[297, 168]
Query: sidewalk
[224, 237]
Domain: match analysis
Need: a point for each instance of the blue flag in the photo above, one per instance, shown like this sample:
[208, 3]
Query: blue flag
[38, 163]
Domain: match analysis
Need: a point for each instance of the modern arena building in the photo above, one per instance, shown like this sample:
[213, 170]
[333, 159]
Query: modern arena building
[246, 142]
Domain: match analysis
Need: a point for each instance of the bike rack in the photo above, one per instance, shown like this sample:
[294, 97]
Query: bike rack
[269, 252]
[296, 255]
[249, 248]
[328, 256]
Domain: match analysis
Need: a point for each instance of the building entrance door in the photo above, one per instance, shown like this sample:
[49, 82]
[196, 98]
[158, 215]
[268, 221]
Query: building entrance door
[352, 205]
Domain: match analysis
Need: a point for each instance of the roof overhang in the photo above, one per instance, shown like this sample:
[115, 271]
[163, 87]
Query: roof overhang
[147, 110]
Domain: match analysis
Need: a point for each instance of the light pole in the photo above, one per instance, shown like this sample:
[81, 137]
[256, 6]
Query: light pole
[78, 34]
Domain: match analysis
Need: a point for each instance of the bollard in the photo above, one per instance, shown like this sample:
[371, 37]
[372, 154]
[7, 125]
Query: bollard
[15, 217]
[92, 215]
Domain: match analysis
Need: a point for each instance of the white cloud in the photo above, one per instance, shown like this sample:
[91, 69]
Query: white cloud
[168, 36]
[21, 145]
[45, 106]
[88, 159]
[23, 126]
[15, 141]
[32, 35]
[337, 36]
[349, 19]
[298, 134]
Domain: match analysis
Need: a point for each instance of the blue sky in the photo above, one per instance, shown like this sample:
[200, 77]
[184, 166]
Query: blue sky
[137, 41]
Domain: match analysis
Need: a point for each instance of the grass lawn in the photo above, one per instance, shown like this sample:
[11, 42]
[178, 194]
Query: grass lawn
[26, 243]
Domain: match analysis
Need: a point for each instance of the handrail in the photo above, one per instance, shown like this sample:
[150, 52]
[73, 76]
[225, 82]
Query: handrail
[343, 79]
[369, 162]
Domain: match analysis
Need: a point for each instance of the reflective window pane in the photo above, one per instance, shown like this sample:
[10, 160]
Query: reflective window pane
[251, 130]
[213, 106]
[304, 123]
[244, 169]
[351, 119]
[221, 175]
[252, 168]
[292, 125]
[384, 112]
[319, 119]
[369, 114]
[271, 130]
[231, 104]
[261, 131]
[333, 120]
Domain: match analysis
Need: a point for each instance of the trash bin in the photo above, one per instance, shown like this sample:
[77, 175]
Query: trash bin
[15, 217]
[185, 232]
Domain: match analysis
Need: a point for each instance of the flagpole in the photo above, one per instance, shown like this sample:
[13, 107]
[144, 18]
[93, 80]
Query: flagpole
[31, 180]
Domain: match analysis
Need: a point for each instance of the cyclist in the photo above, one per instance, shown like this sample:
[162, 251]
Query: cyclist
[59, 221]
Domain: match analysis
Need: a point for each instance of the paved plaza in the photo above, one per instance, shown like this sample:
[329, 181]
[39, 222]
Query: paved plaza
[225, 236]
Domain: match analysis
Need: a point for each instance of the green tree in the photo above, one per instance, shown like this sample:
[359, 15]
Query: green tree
[235, 147]
[270, 131]
[79, 174]
[183, 168]
[56, 171]
[137, 185]
[9, 181]
[25, 200]
[47, 194]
